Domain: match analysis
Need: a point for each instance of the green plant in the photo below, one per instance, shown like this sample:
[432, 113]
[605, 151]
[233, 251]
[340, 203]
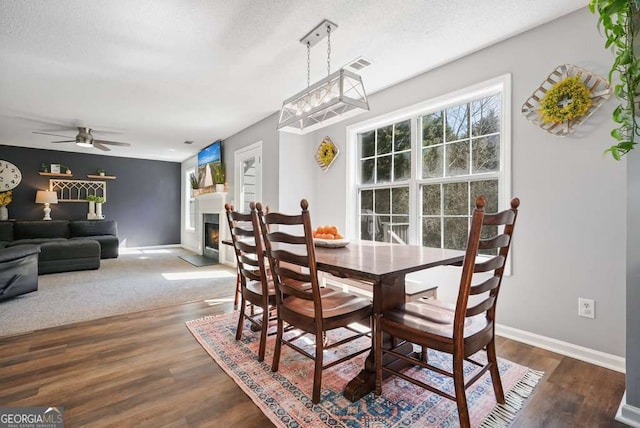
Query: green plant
[195, 180]
[218, 173]
[96, 199]
[617, 21]
[101, 171]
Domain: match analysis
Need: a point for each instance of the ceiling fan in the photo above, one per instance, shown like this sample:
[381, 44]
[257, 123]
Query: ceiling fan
[85, 139]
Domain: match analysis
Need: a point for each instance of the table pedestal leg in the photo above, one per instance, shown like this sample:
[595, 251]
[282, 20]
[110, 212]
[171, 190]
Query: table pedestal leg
[388, 294]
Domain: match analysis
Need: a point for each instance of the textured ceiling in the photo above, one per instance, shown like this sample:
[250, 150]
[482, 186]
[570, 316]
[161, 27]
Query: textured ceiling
[155, 73]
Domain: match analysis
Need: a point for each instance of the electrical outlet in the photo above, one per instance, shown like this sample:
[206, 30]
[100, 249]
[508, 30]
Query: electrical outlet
[586, 308]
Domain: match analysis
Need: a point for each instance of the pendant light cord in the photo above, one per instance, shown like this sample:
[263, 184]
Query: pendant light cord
[328, 50]
[308, 64]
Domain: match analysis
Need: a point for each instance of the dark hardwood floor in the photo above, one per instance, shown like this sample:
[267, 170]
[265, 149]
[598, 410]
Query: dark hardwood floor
[146, 369]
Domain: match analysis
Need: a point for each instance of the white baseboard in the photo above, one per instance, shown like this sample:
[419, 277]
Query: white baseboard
[591, 356]
[192, 249]
[628, 414]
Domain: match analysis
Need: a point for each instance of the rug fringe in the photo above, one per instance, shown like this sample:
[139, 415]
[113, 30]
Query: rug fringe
[504, 414]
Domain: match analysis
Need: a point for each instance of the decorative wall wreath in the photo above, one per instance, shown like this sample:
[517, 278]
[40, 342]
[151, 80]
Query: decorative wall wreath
[326, 153]
[566, 100]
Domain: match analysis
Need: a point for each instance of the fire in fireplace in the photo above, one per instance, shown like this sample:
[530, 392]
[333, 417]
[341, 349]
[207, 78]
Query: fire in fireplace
[211, 232]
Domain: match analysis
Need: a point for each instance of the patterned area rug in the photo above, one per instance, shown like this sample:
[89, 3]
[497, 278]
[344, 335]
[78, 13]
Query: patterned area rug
[285, 396]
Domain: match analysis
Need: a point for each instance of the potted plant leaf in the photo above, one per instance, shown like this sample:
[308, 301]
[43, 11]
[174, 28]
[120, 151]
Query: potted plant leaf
[619, 22]
[219, 176]
[101, 172]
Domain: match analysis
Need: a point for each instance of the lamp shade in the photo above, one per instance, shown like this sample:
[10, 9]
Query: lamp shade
[46, 197]
[330, 100]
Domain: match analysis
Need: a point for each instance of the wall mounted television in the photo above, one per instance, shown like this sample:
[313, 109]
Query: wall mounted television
[210, 154]
[207, 158]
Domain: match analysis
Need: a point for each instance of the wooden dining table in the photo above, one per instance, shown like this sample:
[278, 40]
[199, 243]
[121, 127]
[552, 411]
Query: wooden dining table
[385, 266]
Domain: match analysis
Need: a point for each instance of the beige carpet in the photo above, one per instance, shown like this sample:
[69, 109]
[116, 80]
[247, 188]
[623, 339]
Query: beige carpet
[137, 280]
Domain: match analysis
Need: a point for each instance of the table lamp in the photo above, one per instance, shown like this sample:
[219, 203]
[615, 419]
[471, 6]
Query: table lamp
[46, 197]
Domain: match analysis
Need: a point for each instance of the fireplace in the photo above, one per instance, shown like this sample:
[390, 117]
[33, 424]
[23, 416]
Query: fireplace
[211, 230]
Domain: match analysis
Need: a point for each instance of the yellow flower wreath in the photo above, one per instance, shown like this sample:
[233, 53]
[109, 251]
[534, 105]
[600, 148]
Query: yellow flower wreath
[568, 99]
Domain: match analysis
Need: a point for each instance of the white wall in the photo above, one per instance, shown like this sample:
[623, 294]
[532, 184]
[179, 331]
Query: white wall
[570, 237]
[633, 282]
[264, 131]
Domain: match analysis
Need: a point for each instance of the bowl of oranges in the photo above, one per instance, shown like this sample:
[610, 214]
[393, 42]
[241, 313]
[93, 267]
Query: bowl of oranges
[329, 236]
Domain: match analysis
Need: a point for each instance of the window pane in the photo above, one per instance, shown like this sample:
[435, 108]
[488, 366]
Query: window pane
[384, 140]
[455, 233]
[366, 201]
[487, 188]
[367, 144]
[402, 166]
[384, 169]
[457, 122]
[367, 227]
[431, 200]
[400, 200]
[402, 136]
[382, 201]
[485, 116]
[366, 175]
[383, 222]
[432, 129]
[432, 162]
[486, 154]
[455, 198]
[457, 158]
[431, 232]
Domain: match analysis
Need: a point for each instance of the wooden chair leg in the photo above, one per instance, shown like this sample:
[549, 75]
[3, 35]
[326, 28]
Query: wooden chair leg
[424, 354]
[495, 373]
[278, 347]
[240, 319]
[461, 396]
[238, 293]
[377, 349]
[263, 334]
[317, 372]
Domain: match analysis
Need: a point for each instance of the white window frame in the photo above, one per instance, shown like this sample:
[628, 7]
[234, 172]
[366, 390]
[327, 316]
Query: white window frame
[188, 201]
[500, 84]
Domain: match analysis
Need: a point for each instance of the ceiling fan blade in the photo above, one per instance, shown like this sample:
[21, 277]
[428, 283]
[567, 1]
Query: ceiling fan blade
[64, 141]
[99, 146]
[55, 135]
[112, 143]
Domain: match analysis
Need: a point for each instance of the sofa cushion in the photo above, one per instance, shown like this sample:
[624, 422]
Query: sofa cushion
[34, 241]
[93, 227]
[41, 229]
[65, 256]
[69, 249]
[6, 231]
[108, 244]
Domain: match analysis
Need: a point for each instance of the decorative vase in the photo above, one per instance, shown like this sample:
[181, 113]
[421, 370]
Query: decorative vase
[101, 174]
[220, 188]
[99, 210]
[4, 213]
[92, 210]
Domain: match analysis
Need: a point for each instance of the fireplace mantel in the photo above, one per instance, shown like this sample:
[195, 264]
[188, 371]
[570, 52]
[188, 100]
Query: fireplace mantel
[213, 203]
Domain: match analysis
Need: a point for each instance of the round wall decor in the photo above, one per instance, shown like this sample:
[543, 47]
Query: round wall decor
[566, 99]
[10, 176]
[327, 152]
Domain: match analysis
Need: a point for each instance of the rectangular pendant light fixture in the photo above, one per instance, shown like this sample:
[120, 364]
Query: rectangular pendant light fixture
[339, 95]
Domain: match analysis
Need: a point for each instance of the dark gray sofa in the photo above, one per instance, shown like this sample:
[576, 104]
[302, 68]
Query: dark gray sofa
[64, 245]
[18, 270]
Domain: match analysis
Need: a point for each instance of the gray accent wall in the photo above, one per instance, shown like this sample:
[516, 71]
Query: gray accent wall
[144, 199]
